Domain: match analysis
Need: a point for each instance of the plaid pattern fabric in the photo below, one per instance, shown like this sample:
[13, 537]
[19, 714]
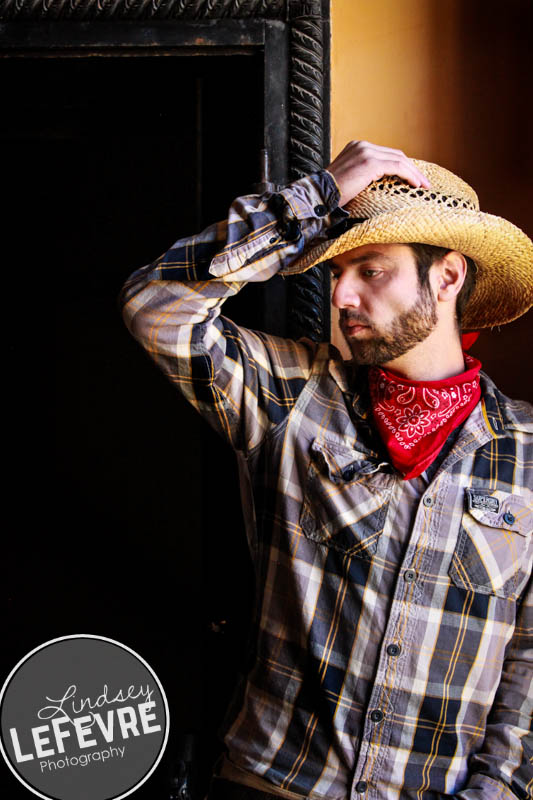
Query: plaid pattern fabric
[391, 651]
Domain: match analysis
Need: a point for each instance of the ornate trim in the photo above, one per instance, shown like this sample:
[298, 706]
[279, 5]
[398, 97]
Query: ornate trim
[140, 9]
[309, 299]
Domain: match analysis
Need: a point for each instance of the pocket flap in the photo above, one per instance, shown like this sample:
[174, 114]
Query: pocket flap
[502, 510]
[342, 464]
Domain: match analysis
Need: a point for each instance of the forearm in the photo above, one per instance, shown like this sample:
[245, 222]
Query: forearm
[172, 306]
[169, 305]
[261, 235]
[187, 285]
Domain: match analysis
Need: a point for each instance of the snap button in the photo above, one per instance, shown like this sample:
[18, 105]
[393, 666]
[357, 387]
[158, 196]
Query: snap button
[409, 575]
[428, 501]
[394, 649]
[376, 715]
[361, 786]
[508, 518]
[321, 210]
[291, 231]
[348, 472]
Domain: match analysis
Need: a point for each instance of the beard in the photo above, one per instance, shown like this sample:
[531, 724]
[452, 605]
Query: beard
[408, 329]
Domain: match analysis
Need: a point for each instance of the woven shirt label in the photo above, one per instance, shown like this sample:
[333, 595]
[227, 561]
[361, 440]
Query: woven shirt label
[484, 502]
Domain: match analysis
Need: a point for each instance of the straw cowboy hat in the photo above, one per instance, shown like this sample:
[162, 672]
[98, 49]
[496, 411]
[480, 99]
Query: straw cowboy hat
[392, 211]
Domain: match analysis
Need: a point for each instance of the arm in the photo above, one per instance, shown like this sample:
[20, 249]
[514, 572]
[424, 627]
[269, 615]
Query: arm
[241, 381]
[503, 768]
[244, 381]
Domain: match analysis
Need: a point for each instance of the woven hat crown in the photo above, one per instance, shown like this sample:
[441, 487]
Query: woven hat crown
[392, 194]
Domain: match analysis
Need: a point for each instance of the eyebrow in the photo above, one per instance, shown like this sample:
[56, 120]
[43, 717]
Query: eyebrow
[366, 257]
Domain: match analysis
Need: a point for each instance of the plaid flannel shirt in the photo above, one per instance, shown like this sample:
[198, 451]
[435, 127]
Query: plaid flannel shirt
[391, 648]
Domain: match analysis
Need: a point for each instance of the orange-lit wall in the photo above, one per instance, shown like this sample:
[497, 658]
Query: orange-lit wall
[448, 81]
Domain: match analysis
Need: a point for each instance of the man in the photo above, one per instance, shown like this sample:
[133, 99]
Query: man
[388, 500]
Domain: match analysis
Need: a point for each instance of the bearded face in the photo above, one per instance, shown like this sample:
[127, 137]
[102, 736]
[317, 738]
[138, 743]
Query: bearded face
[373, 344]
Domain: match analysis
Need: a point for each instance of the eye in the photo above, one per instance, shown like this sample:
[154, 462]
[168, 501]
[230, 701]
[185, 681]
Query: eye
[371, 273]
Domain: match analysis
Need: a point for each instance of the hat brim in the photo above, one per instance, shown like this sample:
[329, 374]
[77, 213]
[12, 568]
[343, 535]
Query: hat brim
[502, 252]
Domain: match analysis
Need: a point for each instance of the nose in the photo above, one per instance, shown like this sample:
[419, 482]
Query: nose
[346, 294]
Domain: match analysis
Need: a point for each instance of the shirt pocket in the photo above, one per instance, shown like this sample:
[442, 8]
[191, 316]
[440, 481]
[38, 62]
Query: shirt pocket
[493, 552]
[346, 499]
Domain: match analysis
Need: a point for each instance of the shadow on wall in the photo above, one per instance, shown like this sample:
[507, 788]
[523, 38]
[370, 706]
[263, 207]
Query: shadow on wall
[484, 92]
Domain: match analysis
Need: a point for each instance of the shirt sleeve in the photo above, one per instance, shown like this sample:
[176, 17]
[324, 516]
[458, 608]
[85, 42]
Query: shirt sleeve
[503, 768]
[242, 381]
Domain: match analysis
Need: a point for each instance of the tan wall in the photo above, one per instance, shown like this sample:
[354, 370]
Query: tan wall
[448, 81]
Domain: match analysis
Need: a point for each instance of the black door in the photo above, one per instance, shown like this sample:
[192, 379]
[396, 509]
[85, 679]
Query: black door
[122, 511]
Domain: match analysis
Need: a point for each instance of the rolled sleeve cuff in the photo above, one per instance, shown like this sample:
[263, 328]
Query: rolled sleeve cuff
[302, 211]
[317, 196]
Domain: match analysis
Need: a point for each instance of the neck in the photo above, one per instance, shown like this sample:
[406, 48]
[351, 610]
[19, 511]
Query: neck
[439, 356]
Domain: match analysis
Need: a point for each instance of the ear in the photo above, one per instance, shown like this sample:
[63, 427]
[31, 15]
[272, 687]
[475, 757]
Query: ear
[450, 273]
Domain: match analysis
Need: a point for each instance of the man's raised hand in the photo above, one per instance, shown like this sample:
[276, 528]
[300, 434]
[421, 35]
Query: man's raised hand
[360, 163]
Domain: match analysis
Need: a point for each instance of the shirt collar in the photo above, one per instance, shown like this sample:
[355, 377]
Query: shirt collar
[499, 412]
[352, 381]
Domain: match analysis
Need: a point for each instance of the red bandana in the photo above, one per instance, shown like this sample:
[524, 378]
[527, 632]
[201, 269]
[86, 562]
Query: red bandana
[414, 418]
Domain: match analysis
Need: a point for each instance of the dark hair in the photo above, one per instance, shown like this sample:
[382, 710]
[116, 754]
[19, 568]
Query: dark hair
[426, 255]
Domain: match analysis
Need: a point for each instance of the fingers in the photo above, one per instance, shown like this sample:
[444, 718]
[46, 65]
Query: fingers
[395, 162]
[403, 168]
[360, 163]
[381, 161]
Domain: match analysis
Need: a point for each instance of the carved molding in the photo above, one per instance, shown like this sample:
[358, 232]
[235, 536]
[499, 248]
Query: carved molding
[305, 8]
[11, 10]
[309, 299]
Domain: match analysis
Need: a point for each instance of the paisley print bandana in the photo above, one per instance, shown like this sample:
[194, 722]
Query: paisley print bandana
[414, 418]
[468, 339]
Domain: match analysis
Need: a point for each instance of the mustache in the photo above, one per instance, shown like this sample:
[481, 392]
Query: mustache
[353, 316]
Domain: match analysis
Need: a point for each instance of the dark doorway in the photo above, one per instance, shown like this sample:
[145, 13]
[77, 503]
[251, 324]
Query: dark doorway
[125, 516]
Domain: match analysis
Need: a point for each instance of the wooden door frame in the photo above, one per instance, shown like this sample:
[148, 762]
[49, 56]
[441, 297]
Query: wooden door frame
[294, 37]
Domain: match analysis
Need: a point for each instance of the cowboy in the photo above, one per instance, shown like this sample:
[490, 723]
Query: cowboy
[388, 499]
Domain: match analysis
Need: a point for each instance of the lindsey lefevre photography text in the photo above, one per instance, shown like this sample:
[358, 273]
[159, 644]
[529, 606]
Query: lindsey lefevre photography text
[90, 730]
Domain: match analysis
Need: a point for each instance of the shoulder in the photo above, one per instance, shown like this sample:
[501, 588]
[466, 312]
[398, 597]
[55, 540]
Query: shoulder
[505, 412]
